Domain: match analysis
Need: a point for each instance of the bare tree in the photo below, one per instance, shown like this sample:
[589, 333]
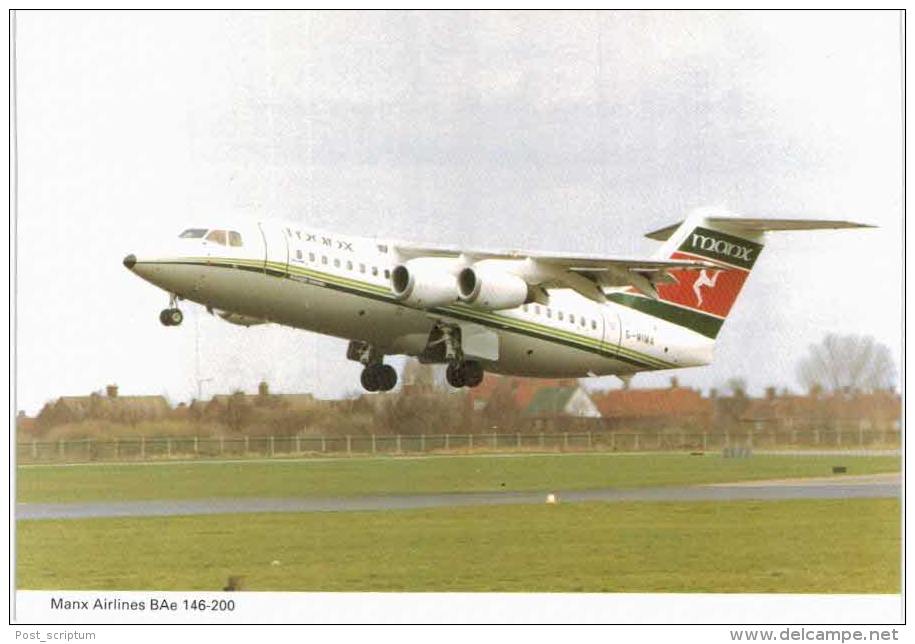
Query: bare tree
[418, 374]
[237, 412]
[737, 386]
[732, 407]
[848, 363]
[501, 410]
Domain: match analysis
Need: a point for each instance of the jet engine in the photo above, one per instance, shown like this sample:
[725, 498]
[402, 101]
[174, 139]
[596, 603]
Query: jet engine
[424, 283]
[492, 289]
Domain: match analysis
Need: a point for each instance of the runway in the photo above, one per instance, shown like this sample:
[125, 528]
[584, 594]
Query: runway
[846, 487]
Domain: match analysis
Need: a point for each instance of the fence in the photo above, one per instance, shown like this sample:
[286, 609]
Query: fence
[142, 448]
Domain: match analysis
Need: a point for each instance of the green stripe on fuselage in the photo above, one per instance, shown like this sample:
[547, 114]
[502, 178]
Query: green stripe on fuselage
[692, 320]
[489, 318]
[459, 311]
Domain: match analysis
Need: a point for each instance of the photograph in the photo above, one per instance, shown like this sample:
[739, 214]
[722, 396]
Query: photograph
[458, 317]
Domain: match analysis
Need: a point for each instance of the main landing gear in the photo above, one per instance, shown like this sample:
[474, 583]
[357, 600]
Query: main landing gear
[445, 346]
[459, 372]
[172, 316]
[466, 373]
[376, 376]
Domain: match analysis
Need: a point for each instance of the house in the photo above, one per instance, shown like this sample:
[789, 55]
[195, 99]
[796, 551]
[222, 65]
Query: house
[110, 407]
[654, 408]
[551, 402]
[520, 391]
[562, 409]
[295, 402]
[263, 411]
[25, 425]
[542, 404]
[878, 410]
[785, 410]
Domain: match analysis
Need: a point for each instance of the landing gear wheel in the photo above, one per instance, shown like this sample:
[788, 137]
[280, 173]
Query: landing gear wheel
[175, 317]
[378, 377]
[455, 375]
[473, 373]
[171, 317]
[388, 377]
[370, 378]
[464, 374]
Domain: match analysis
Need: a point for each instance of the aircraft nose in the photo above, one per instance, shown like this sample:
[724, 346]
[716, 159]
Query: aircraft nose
[130, 260]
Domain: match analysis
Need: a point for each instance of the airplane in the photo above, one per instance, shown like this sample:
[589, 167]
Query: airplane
[524, 313]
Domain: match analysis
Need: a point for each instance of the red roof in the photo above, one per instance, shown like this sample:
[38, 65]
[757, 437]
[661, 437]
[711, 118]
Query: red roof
[651, 403]
[784, 406]
[522, 390]
[879, 404]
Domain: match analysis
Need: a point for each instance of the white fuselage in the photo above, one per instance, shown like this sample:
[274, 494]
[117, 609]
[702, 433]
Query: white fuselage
[339, 285]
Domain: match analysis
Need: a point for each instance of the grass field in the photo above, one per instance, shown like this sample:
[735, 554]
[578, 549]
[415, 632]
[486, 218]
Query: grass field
[827, 546]
[347, 477]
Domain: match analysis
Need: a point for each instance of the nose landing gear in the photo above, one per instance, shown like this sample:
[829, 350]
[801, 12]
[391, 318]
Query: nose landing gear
[172, 316]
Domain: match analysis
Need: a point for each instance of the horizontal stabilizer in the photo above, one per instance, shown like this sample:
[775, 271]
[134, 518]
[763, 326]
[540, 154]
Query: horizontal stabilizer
[762, 225]
[732, 244]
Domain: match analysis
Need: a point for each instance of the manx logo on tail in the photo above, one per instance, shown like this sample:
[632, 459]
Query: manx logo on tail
[700, 300]
[716, 245]
[711, 291]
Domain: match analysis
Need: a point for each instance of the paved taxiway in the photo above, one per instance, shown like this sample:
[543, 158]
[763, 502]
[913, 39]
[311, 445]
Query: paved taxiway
[840, 487]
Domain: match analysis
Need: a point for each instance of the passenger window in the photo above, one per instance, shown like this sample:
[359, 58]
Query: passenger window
[524, 308]
[349, 266]
[336, 263]
[594, 325]
[234, 238]
[361, 268]
[324, 259]
[559, 315]
[582, 322]
[375, 271]
[193, 233]
[311, 257]
[572, 318]
[387, 274]
[549, 313]
[298, 254]
[217, 237]
[536, 310]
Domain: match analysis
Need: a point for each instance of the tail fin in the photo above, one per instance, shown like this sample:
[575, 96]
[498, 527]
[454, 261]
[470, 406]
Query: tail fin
[701, 300]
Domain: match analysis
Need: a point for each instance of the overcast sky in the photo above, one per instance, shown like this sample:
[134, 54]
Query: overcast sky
[574, 132]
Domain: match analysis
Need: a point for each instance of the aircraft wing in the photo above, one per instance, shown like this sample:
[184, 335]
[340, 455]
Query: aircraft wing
[589, 275]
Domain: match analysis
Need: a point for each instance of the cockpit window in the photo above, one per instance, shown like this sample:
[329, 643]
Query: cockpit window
[222, 237]
[217, 236]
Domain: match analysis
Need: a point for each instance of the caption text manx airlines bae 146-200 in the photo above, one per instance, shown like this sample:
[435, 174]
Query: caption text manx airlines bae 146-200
[509, 312]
